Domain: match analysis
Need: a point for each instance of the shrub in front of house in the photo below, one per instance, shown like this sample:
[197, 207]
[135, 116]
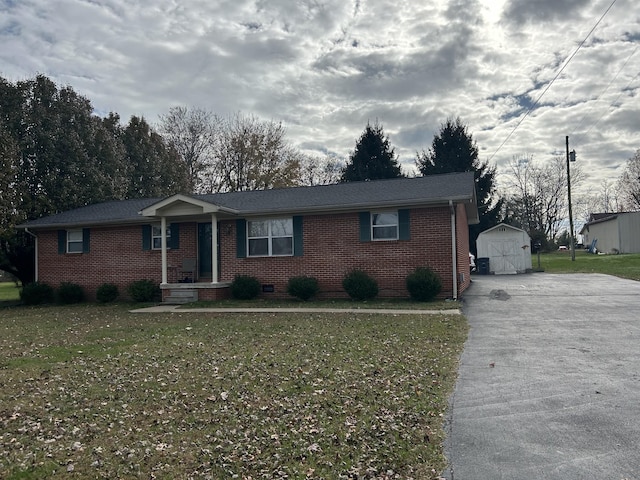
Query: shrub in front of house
[303, 287]
[107, 292]
[423, 284]
[68, 293]
[245, 287]
[143, 291]
[36, 293]
[359, 285]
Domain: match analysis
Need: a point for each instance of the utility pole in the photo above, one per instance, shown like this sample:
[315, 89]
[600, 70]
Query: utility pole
[571, 157]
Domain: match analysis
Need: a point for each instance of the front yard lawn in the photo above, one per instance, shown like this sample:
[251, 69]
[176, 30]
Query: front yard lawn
[97, 392]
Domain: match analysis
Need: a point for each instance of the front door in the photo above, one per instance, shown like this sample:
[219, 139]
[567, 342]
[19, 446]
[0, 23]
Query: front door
[204, 250]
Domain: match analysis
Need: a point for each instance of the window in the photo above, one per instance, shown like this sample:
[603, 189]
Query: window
[384, 226]
[152, 237]
[156, 237]
[389, 225]
[270, 237]
[74, 241]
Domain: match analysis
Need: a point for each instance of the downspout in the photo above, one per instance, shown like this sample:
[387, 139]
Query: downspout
[26, 229]
[454, 250]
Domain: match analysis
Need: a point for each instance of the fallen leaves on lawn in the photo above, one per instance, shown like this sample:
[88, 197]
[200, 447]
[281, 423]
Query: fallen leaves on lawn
[214, 396]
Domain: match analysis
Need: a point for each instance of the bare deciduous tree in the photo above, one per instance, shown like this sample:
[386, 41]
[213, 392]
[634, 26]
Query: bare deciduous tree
[605, 200]
[539, 202]
[629, 183]
[315, 170]
[193, 134]
[253, 154]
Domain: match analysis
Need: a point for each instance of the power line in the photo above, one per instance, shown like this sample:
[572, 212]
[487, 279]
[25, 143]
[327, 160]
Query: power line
[593, 125]
[612, 104]
[530, 109]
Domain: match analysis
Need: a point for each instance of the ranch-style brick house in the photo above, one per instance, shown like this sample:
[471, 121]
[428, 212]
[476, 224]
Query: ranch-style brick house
[194, 245]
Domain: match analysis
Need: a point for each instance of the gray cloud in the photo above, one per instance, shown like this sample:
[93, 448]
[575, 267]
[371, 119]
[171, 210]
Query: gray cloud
[325, 68]
[540, 11]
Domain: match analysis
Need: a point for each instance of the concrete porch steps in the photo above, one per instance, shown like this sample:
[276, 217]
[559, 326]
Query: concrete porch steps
[181, 296]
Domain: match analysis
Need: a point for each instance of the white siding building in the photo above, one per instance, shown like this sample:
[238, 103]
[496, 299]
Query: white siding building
[614, 233]
[507, 248]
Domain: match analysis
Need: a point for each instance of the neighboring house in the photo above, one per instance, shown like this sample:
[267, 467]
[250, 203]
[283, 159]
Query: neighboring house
[508, 249]
[613, 232]
[386, 228]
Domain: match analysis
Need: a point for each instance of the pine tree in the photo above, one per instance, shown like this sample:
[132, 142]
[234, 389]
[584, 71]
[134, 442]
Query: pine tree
[373, 158]
[454, 150]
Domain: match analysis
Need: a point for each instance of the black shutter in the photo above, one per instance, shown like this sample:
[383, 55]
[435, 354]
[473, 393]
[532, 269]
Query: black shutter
[365, 226]
[174, 228]
[298, 247]
[146, 237]
[62, 241]
[241, 238]
[86, 240]
[404, 227]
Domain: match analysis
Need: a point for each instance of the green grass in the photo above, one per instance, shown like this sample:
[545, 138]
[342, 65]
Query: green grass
[9, 293]
[103, 393]
[624, 266]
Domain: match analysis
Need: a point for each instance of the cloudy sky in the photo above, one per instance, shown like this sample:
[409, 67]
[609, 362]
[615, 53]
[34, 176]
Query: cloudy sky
[508, 68]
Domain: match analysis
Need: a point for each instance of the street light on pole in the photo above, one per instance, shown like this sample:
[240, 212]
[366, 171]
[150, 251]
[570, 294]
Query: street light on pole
[571, 157]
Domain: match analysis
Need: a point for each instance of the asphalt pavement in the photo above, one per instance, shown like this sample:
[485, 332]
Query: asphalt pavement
[549, 381]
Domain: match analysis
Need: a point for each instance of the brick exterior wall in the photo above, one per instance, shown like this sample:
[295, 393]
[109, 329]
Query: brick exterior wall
[332, 247]
[116, 256]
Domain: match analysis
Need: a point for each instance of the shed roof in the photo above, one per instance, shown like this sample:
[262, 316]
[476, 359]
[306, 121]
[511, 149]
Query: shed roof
[596, 218]
[503, 225]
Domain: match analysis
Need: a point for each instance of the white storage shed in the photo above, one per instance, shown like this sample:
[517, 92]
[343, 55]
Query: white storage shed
[507, 248]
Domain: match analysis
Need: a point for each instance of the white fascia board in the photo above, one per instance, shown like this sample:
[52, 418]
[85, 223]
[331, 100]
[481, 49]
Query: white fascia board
[178, 203]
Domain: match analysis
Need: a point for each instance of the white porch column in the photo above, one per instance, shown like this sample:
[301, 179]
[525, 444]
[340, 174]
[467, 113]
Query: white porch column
[163, 230]
[214, 248]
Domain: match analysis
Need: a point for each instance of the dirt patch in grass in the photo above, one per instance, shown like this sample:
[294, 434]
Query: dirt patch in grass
[379, 303]
[102, 393]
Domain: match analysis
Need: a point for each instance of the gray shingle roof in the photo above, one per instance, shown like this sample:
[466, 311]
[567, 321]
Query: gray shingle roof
[344, 196]
[112, 212]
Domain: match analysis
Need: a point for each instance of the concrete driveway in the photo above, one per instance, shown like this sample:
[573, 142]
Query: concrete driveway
[549, 382]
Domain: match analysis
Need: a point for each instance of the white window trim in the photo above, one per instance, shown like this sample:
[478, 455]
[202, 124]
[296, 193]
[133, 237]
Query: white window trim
[269, 238]
[396, 225]
[81, 241]
[159, 237]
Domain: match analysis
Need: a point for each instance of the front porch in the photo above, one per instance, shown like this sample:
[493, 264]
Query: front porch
[193, 274]
[179, 293]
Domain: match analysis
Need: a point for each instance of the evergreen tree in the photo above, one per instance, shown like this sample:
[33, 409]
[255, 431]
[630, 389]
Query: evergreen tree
[454, 150]
[373, 158]
[55, 155]
[154, 169]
